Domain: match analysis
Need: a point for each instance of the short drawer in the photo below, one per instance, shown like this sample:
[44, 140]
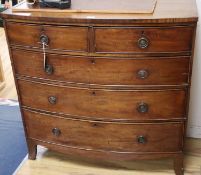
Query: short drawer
[104, 104]
[121, 137]
[59, 37]
[103, 71]
[131, 40]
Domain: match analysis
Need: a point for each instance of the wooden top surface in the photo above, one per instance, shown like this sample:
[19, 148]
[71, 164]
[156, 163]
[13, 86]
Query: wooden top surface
[96, 6]
[166, 11]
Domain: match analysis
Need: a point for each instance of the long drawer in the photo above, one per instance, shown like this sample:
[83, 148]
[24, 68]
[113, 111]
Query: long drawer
[104, 104]
[150, 39]
[57, 37]
[158, 137]
[103, 71]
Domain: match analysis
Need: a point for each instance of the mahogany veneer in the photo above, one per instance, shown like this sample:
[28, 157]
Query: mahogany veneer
[163, 39]
[104, 71]
[106, 104]
[110, 85]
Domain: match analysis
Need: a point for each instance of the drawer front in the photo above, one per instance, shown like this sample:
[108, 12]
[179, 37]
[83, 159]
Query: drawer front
[158, 137]
[103, 71]
[104, 104]
[59, 37]
[128, 40]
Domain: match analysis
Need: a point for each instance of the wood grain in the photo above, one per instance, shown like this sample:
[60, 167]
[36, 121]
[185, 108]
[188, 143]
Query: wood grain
[125, 40]
[107, 36]
[107, 40]
[63, 38]
[116, 72]
[120, 137]
[104, 104]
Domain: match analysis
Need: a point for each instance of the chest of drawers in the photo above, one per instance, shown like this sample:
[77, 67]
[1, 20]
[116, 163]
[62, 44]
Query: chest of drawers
[111, 86]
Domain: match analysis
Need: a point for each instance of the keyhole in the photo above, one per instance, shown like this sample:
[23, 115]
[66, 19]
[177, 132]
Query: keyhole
[95, 124]
[93, 61]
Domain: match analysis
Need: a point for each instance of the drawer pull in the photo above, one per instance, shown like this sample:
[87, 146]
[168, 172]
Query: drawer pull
[143, 43]
[141, 139]
[143, 108]
[52, 100]
[56, 132]
[142, 74]
[44, 39]
[49, 69]
[46, 67]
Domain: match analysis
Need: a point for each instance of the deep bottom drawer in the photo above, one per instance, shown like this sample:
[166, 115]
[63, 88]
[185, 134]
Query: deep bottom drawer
[107, 136]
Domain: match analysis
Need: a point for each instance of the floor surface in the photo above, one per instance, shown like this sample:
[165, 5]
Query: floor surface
[51, 163]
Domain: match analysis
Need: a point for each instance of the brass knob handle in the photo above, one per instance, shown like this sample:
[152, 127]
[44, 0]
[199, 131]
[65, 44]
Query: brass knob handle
[141, 139]
[142, 74]
[143, 108]
[52, 100]
[143, 42]
[44, 39]
[56, 132]
[49, 69]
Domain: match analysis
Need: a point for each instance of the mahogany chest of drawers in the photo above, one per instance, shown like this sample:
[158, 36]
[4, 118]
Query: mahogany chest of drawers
[105, 85]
